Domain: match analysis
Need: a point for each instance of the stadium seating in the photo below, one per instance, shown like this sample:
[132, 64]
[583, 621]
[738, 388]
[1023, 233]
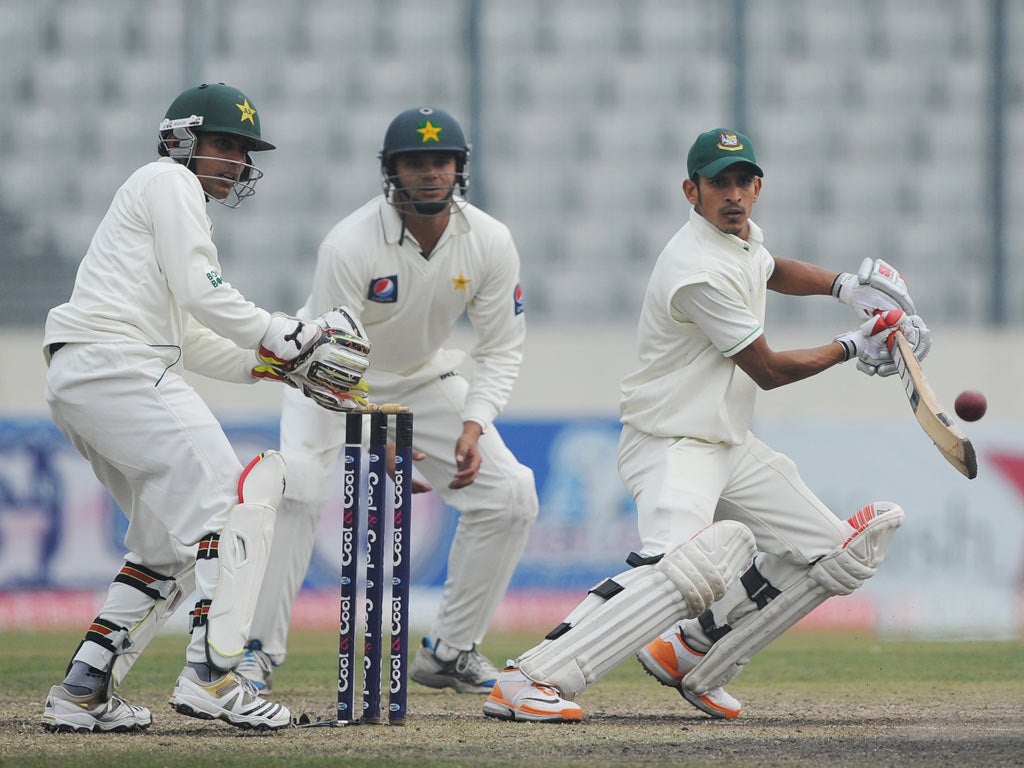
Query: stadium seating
[868, 117]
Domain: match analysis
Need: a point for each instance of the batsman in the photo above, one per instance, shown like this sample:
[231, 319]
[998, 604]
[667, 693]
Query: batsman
[149, 301]
[736, 548]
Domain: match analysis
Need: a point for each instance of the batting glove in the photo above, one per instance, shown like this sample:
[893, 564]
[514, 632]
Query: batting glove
[915, 331]
[872, 336]
[877, 285]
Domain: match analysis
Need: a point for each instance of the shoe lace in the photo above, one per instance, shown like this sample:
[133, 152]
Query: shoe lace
[255, 660]
[245, 684]
[465, 662]
[116, 701]
[472, 663]
[547, 689]
[250, 693]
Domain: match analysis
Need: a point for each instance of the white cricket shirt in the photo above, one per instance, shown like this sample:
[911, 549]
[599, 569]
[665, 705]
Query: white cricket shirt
[151, 275]
[704, 303]
[409, 304]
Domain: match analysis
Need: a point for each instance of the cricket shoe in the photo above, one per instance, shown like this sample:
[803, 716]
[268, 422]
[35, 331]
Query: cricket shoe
[517, 697]
[669, 658]
[64, 711]
[256, 667]
[469, 672]
[232, 699]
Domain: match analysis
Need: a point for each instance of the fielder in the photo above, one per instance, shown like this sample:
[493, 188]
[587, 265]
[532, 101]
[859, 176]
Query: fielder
[736, 548]
[410, 263]
[148, 301]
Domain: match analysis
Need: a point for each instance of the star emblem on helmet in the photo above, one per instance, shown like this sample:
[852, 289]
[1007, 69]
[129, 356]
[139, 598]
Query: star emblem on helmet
[430, 132]
[247, 112]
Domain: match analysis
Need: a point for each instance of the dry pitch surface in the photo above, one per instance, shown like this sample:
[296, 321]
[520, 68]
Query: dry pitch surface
[810, 700]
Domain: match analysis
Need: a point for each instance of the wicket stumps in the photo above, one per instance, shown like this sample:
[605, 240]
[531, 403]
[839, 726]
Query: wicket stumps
[376, 538]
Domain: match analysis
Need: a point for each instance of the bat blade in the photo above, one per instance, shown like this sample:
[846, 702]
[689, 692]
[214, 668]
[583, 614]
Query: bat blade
[943, 430]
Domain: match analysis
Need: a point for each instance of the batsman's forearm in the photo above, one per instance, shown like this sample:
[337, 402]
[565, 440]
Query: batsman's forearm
[776, 369]
[798, 364]
[798, 278]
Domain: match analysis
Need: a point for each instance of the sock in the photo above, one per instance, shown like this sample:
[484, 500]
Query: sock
[83, 679]
[445, 652]
[205, 672]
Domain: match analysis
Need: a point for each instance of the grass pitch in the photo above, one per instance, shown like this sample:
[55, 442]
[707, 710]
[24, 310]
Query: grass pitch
[810, 699]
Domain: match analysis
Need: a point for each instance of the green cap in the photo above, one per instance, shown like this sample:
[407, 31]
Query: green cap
[716, 150]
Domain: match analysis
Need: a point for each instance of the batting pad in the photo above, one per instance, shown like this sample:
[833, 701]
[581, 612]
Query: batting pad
[242, 554]
[838, 573]
[243, 551]
[623, 613]
[163, 608]
[262, 481]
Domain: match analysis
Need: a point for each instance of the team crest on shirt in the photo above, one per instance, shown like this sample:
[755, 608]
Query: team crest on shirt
[383, 290]
[517, 299]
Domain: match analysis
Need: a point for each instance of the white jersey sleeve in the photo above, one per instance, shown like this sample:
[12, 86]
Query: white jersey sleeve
[213, 356]
[151, 267]
[496, 313]
[727, 321]
[188, 258]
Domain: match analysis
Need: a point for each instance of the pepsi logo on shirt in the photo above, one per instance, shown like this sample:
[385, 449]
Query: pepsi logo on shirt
[383, 290]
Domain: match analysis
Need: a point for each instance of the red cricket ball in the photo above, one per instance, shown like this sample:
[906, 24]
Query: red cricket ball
[970, 405]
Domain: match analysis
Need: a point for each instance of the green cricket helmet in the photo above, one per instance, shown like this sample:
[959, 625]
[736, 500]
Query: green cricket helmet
[214, 108]
[424, 129]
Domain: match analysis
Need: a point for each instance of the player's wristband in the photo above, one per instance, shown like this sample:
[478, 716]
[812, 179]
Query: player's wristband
[849, 350]
[837, 284]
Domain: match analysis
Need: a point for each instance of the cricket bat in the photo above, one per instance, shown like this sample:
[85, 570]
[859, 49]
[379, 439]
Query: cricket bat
[952, 443]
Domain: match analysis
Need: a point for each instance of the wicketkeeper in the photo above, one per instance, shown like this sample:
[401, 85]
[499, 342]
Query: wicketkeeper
[736, 548]
[149, 301]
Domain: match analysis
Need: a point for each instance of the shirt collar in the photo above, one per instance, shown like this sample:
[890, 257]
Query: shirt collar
[755, 240]
[393, 229]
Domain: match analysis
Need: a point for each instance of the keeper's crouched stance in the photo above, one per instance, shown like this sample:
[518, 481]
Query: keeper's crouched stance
[149, 303]
[225, 572]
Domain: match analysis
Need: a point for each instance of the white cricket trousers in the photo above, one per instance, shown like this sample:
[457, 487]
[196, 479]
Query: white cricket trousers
[496, 512]
[159, 451]
[682, 485]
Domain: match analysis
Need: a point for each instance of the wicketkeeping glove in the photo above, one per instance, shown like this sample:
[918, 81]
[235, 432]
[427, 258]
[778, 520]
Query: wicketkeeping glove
[329, 369]
[915, 331]
[876, 285]
[872, 336]
[287, 339]
[353, 399]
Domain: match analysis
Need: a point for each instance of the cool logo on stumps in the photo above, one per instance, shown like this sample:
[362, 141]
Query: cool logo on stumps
[397, 587]
[345, 629]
